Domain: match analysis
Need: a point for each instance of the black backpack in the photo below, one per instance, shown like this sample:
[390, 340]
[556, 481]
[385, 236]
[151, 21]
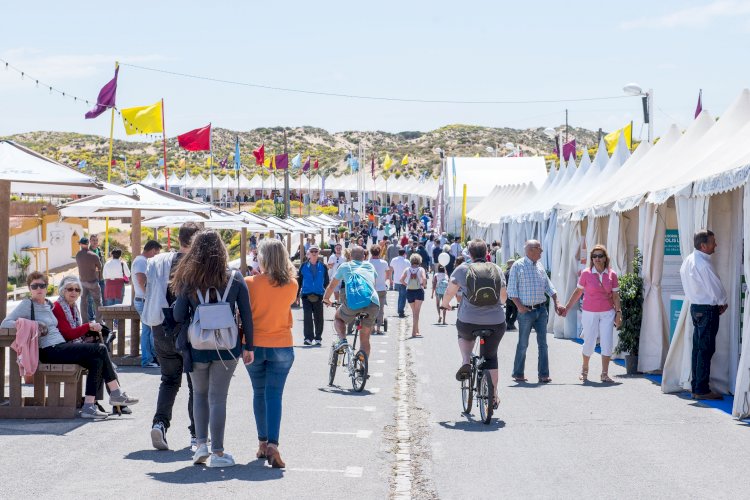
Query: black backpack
[483, 284]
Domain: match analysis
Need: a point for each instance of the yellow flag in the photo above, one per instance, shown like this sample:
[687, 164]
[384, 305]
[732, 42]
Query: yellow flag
[476, 155]
[143, 119]
[182, 163]
[273, 162]
[613, 138]
[405, 161]
[387, 162]
[267, 161]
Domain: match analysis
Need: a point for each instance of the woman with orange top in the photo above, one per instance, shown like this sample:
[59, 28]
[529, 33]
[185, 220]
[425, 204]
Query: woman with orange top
[272, 293]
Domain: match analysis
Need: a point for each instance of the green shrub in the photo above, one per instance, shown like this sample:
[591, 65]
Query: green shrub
[631, 303]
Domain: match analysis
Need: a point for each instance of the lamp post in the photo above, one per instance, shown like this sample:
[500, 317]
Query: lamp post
[552, 134]
[648, 105]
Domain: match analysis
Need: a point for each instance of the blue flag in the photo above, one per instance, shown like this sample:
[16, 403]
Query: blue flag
[161, 162]
[82, 164]
[297, 161]
[237, 153]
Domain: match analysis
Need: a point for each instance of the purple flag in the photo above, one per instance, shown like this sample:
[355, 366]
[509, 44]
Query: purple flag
[699, 107]
[306, 166]
[106, 98]
[569, 149]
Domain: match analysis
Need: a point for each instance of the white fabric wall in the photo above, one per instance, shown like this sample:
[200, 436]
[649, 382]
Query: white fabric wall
[692, 214]
[654, 331]
[741, 407]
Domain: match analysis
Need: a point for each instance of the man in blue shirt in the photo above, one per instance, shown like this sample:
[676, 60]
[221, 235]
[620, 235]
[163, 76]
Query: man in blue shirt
[528, 286]
[313, 280]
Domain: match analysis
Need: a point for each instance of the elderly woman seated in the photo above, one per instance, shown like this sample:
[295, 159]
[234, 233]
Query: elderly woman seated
[53, 347]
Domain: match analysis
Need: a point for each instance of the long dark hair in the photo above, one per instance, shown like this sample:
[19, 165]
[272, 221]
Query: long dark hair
[203, 267]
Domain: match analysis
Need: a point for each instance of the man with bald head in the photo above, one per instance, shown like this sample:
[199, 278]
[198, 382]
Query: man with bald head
[528, 287]
[345, 314]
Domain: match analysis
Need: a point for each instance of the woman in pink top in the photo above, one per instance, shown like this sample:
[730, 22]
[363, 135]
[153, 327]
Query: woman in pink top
[601, 309]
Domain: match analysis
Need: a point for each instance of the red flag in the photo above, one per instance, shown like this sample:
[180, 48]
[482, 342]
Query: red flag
[114, 162]
[316, 165]
[372, 167]
[282, 162]
[138, 164]
[196, 140]
[699, 107]
[260, 154]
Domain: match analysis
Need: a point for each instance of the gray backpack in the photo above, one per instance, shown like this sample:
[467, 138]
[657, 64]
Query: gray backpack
[483, 284]
[213, 327]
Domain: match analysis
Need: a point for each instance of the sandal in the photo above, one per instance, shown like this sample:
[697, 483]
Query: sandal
[584, 376]
[605, 378]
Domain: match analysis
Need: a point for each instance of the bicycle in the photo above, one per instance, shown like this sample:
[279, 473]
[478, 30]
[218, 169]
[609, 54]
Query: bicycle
[479, 383]
[355, 361]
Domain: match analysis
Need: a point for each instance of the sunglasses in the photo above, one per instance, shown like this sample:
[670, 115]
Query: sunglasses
[38, 286]
[597, 256]
[76, 290]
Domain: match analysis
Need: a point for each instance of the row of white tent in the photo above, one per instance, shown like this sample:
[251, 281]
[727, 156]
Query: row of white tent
[404, 185]
[686, 181]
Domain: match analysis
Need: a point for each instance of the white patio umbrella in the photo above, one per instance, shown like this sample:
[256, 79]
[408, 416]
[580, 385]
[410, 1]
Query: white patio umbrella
[25, 171]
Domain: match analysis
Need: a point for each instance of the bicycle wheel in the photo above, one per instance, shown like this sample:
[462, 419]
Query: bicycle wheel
[486, 397]
[466, 394]
[385, 325]
[333, 361]
[359, 376]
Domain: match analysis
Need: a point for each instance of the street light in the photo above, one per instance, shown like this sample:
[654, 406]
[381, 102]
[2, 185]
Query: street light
[491, 150]
[648, 104]
[552, 134]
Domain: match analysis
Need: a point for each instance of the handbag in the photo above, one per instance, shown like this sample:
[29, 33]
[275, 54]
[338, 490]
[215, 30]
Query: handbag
[124, 278]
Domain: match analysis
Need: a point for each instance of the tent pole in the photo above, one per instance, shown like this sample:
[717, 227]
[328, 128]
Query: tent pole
[4, 241]
[135, 238]
[243, 251]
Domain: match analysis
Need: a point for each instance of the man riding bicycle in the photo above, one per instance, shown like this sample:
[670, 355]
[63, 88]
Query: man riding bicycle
[358, 296]
[483, 291]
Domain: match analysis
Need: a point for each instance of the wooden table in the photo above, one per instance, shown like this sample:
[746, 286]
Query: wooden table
[122, 313]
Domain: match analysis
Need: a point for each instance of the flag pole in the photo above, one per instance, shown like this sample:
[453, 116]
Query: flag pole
[164, 144]
[109, 169]
[287, 205]
[211, 165]
[239, 167]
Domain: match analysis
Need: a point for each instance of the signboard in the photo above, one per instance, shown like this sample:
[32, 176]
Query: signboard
[671, 284]
[675, 307]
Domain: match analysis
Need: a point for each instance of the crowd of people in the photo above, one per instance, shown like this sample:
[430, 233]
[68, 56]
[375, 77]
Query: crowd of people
[200, 318]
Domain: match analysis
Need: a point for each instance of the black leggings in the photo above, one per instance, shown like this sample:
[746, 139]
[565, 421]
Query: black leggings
[93, 357]
[488, 350]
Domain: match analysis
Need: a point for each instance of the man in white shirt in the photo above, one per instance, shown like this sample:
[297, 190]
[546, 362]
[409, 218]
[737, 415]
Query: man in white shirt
[708, 300]
[398, 266]
[115, 274]
[334, 261]
[456, 248]
[140, 263]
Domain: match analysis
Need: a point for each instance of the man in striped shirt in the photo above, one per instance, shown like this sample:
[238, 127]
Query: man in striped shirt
[528, 287]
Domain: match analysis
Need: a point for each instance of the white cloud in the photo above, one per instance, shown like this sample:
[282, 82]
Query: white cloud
[693, 17]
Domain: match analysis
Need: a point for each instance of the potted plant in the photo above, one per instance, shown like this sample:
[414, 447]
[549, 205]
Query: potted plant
[631, 302]
[22, 262]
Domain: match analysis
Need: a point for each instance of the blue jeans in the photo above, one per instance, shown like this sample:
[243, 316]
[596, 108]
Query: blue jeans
[401, 289]
[147, 337]
[706, 322]
[537, 319]
[268, 375]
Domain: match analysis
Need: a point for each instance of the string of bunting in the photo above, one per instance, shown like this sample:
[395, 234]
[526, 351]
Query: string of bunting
[67, 95]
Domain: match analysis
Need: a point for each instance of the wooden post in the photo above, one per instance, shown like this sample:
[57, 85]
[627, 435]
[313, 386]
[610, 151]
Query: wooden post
[301, 248]
[4, 242]
[289, 243]
[243, 251]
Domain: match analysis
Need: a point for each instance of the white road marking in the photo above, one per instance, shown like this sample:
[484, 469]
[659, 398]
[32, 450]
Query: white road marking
[376, 374]
[362, 408]
[361, 434]
[350, 471]
[379, 361]
[402, 469]
[373, 390]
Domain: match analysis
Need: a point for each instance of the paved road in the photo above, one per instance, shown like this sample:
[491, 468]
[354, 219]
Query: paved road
[404, 436]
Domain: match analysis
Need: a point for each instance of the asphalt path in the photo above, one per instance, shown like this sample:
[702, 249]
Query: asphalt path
[405, 436]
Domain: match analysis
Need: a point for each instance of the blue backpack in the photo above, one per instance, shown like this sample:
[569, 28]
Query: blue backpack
[358, 291]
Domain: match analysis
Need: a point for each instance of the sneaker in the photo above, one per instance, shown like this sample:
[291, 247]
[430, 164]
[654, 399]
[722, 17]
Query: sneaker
[201, 455]
[317, 342]
[150, 365]
[159, 436]
[225, 460]
[307, 342]
[93, 412]
[340, 344]
[123, 410]
[193, 443]
[122, 400]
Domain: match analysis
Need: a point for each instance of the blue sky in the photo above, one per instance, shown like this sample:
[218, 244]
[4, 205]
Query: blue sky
[443, 50]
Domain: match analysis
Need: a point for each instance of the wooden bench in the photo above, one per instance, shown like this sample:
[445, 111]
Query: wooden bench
[122, 313]
[58, 387]
[13, 294]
